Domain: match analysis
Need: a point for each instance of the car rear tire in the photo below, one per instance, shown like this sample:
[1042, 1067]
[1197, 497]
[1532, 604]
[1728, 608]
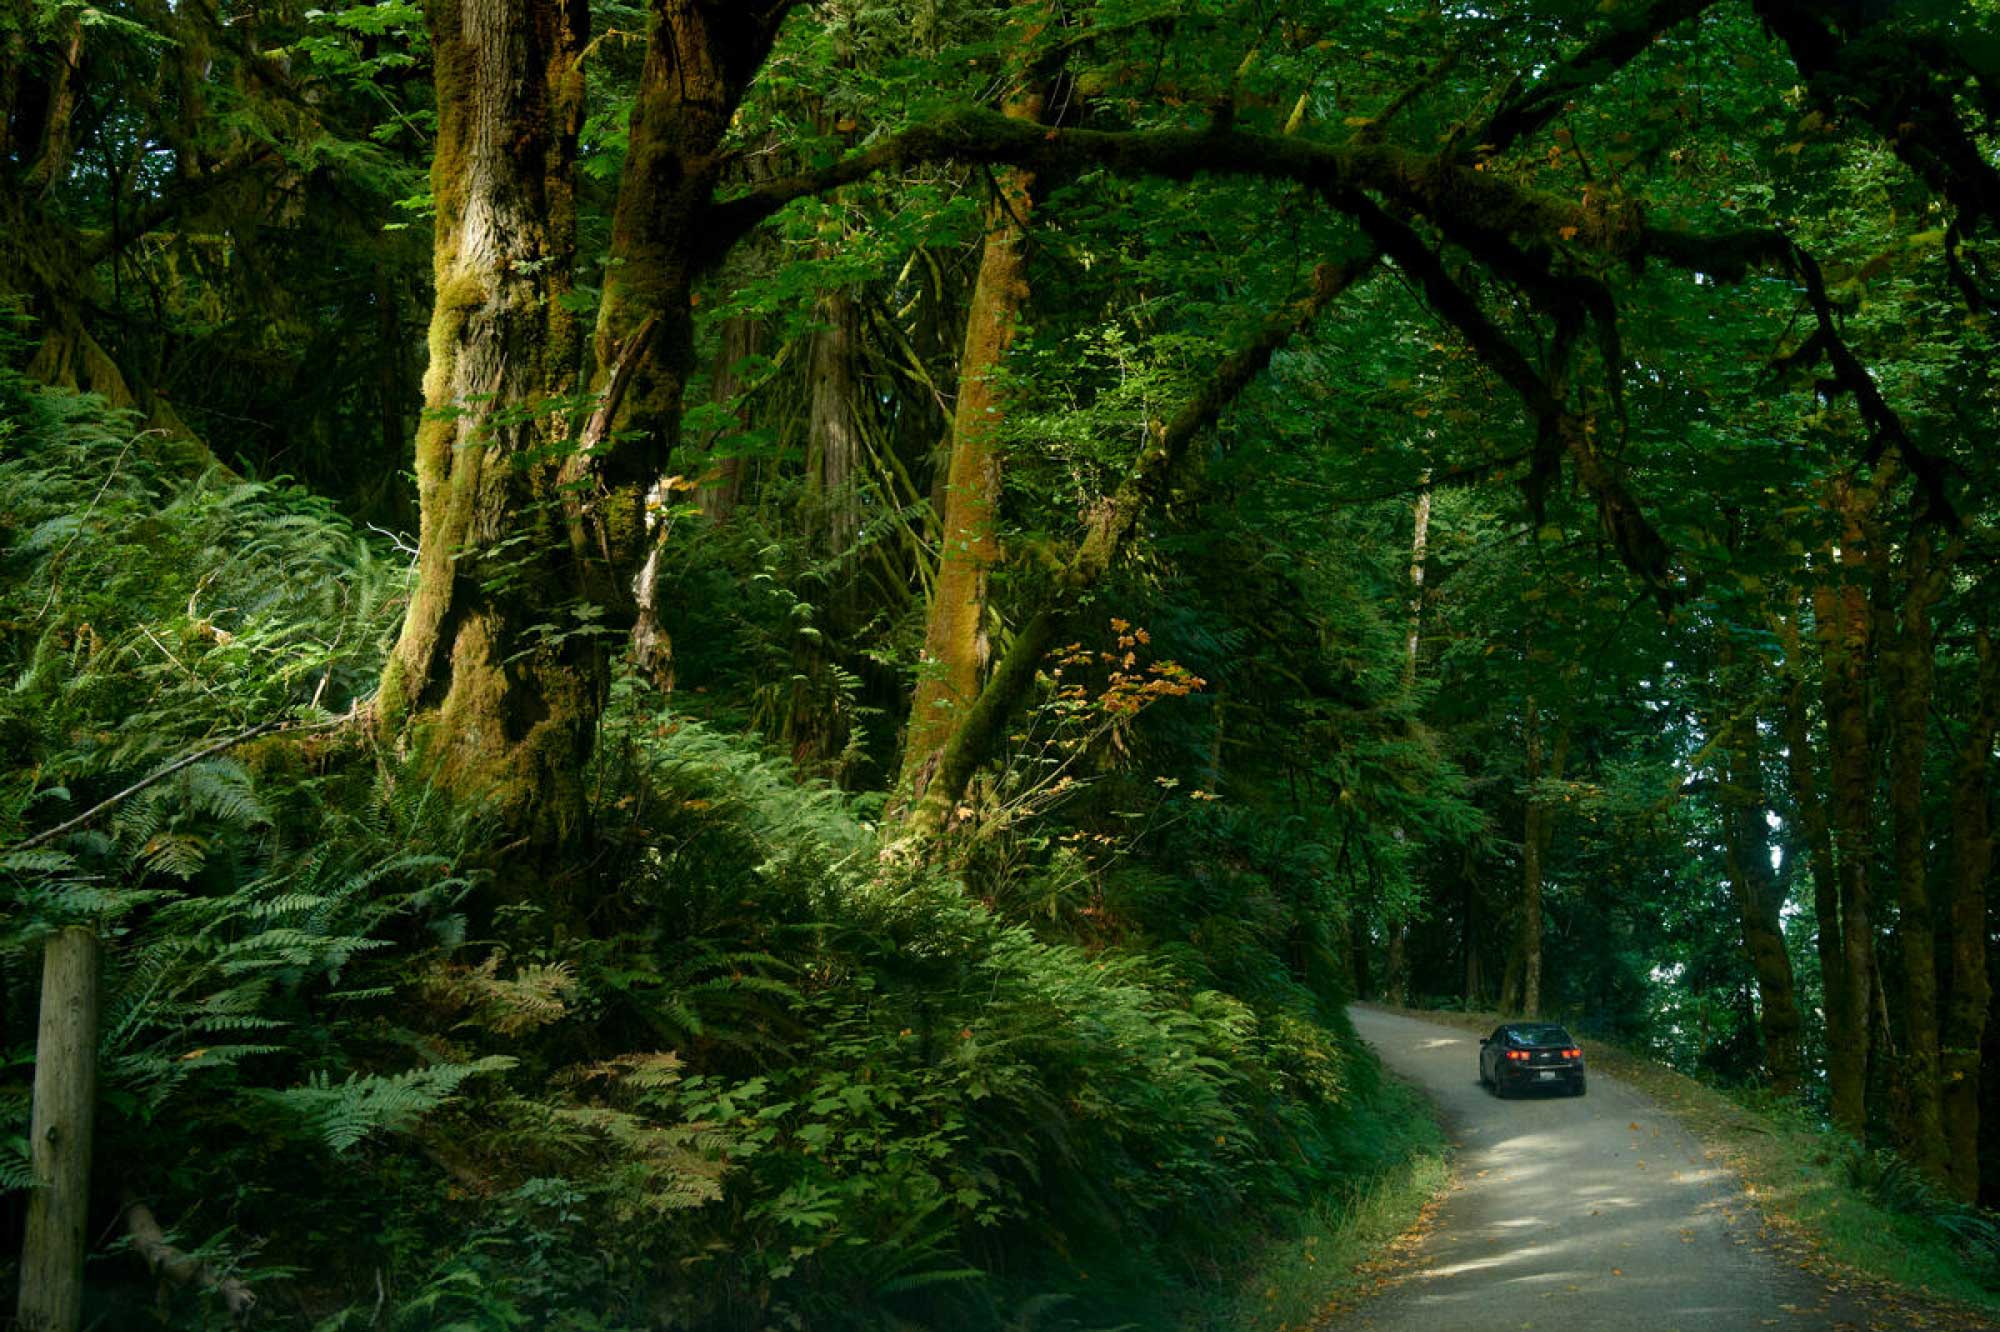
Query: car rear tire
[1576, 1087]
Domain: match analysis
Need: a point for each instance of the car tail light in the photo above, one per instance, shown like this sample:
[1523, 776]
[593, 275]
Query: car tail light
[1572, 1054]
[1517, 1054]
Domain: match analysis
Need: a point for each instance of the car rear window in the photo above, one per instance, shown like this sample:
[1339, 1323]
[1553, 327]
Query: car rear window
[1546, 1033]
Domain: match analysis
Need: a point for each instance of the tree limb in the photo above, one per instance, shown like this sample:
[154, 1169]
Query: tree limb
[1435, 187]
[206, 751]
[149, 1241]
[1885, 426]
[1534, 107]
[1562, 431]
[1853, 60]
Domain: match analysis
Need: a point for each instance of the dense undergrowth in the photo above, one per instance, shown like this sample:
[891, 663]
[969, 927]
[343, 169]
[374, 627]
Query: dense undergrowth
[738, 1071]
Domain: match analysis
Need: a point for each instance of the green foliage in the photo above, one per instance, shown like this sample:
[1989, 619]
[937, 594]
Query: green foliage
[778, 1082]
[722, 1063]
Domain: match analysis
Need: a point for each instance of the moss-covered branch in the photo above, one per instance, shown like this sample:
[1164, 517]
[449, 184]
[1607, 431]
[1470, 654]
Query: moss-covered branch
[1535, 106]
[1435, 187]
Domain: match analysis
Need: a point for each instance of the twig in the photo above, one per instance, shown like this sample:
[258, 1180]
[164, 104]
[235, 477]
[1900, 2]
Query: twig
[162, 774]
[55, 565]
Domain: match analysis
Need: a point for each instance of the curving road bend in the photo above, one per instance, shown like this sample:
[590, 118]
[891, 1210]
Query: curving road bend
[1596, 1213]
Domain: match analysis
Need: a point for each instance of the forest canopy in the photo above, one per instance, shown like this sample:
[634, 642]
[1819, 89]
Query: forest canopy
[753, 665]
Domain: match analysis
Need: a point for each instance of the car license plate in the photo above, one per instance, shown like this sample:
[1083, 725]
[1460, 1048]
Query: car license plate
[1546, 1076]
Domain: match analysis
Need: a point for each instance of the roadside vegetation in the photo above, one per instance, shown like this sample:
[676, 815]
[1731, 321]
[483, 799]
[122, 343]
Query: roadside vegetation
[775, 1080]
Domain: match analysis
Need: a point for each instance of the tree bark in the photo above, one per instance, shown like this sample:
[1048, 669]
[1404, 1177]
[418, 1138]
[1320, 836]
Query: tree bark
[815, 726]
[1420, 530]
[1537, 830]
[722, 489]
[833, 426]
[1971, 990]
[500, 710]
[52, 153]
[1760, 900]
[1809, 809]
[60, 1135]
[527, 564]
[956, 647]
[1841, 614]
[1907, 675]
[700, 58]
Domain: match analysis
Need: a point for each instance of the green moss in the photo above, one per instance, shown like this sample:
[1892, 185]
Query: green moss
[392, 703]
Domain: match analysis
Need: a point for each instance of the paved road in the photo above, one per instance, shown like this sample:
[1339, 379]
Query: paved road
[1589, 1214]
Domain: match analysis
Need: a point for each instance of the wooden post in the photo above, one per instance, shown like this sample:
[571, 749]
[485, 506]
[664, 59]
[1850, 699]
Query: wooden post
[65, 1097]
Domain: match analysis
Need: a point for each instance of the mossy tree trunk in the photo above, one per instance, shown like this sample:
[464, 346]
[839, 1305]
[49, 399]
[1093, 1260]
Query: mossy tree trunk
[700, 58]
[1760, 897]
[533, 530]
[501, 708]
[1110, 526]
[956, 646]
[1907, 669]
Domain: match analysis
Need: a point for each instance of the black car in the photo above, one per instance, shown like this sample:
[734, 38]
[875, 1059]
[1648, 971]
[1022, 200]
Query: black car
[1521, 1055]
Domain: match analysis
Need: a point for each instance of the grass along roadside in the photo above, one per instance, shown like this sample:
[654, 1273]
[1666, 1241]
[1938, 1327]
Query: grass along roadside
[1825, 1206]
[1324, 1261]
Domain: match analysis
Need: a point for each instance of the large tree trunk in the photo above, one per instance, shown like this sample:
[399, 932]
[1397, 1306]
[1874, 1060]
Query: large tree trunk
[955, 639]
[1907, 671]
[1537, 830]
[1760, 901]
[502, 708]
[833, 426]
[815, 725]
[501, 711]
[51, 161]
[1420, 531]
[1971, 990]
[722, 488]
[1841, 613]
[60, 1135]
[1809, 811]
